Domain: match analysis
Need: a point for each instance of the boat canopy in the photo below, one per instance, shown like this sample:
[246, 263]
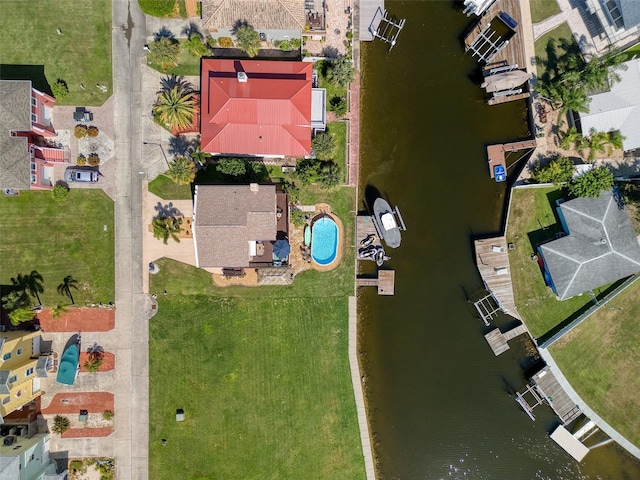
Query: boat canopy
[388, 222]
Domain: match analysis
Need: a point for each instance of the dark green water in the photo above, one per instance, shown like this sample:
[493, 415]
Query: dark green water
[437, 396]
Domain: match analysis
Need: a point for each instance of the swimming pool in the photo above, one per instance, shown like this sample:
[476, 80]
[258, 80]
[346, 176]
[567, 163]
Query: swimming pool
[324, 241]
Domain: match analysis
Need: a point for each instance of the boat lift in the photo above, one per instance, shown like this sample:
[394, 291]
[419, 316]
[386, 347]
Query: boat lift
[384, 28]
[485, 46]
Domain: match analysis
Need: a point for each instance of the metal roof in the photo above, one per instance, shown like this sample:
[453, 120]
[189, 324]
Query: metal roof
[619, 108]
[267, 113]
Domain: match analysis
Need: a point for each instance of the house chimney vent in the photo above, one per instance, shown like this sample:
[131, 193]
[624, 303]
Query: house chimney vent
[242, 77]
[254, 187]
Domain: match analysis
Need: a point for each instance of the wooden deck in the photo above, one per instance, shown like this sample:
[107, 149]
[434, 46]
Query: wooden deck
[508, 98]
[385, 282]
[498, 340]
[548, 387]
[364, 228]
[492, 259]
[513, 52]
[496, 153]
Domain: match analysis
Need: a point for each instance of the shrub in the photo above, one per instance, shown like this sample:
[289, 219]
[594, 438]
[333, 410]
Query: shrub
[248, 40]
[77, 465]
[80, 131]
[157, 8]
[349, 35]
[211, 42]
[93, 364]
[292, 190]
[60, 193]
[164, 52]
[94, 160]
[60, 424]
[234, 167]
[92, 131]
[285, 46]
[225, 42]
[81, 160]
[340, 72]
[592, 183]
[60, 89]
[107, 415]
[330, 175]
[298, 217]
[296, 43]
[559, 170]
[307, 170]
[182, 170]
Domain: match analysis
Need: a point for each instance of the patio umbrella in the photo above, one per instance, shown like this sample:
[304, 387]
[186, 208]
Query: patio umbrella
[281, 248]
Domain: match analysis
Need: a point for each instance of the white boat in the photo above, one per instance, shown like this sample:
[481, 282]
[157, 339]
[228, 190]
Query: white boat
[388, 222]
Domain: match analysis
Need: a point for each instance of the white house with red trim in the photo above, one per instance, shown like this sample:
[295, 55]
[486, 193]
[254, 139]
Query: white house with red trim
[27, 154]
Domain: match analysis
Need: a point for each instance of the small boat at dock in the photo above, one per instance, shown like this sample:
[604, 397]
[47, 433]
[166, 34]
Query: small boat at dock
[388, 222]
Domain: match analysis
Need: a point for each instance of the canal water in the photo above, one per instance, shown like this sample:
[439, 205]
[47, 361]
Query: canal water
[438, 398]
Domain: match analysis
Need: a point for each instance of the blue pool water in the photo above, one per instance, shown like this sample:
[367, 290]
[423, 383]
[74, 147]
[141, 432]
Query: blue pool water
[324, 241]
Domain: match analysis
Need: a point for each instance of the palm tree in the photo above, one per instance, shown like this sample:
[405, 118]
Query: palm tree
[20, 315]
[182, 170]
[58, 310]
[164, 52]
[194, 45]
[597, 143]
[570, 137]
[167, 227]
[616, 139]
[35, 285]
[248, 40]
[65, 287]
[175, 108]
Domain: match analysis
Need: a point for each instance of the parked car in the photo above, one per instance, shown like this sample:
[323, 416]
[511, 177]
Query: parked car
[77, 174]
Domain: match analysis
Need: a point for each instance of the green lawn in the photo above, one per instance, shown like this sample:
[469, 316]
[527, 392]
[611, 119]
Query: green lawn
[80, 55]
[531, 222]
[167, 189]
[632, 52]
[187, 64]
[543, 9]
[332, 90]
[601, 360]
[339, 132]
[60, 239]
[262, 374]
[550, 46]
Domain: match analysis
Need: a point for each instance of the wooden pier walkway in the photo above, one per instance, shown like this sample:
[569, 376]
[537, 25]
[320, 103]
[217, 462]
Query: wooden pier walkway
[385, 282]
[549, 388]
[513, 52]
[496, 153]
[492, 260]
[356, 380]
[508, 98]
[498, 340]
[364, 228]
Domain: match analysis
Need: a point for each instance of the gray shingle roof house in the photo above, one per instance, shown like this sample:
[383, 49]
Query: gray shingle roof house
[600, 247]
[619, 108]
[619, 18]
[261, 14]
[15, 115]
[233, 225]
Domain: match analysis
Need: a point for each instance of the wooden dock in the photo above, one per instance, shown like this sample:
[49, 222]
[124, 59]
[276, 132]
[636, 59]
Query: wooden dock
[548, 387]
[498, 340]
[364, 228]
[508, 98]
[496, 153]
[513, 52]
[492, 260]
[385, 282]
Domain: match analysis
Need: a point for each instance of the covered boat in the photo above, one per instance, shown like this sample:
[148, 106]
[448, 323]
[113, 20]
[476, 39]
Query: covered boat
[68, 367]
[388, 222]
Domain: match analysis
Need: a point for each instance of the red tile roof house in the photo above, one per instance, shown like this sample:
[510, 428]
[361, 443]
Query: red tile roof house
[26, 155]
[234, 226]
[260, 108]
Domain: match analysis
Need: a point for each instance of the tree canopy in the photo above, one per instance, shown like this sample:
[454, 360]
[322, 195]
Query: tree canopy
[234, 167]
[182, 170]
[340, 72]
[165, 228]
[164, 52]
[592, 182]
[323, 146]
[559, 170]
[248, 40]
[176, 107]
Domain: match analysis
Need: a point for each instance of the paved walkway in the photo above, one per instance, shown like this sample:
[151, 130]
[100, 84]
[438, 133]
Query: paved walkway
[356, 380]
[353, 154]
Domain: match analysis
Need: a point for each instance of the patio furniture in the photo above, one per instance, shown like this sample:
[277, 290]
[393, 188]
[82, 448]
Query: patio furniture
[82, 115]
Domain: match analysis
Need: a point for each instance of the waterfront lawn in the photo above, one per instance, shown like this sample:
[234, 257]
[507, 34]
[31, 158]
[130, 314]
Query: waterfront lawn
[167, 189]
[262, 373]
[550, 47]
[338, 131]
[601, 360]
[531, 222]
[543, 9]
[60, 239]
[81, 54]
